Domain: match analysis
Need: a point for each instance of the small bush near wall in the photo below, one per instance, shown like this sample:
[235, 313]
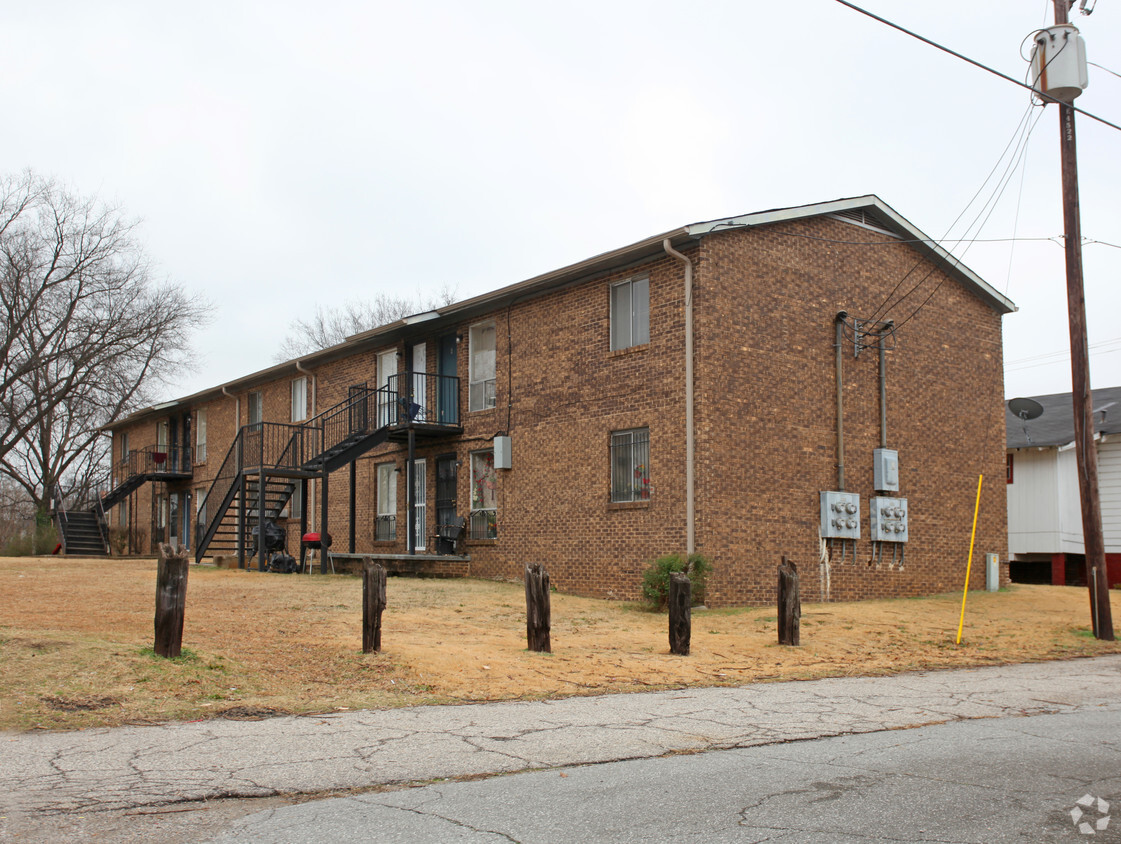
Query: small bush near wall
[118, 540]
[655, 580]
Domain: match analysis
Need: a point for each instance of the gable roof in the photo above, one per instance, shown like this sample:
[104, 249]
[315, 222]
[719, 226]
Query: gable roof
[1055, 427]
[869, 212]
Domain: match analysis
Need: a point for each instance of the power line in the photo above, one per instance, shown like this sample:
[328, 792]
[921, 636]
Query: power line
[975, 63]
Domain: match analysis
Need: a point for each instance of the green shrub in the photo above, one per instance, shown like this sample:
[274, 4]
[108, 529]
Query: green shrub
[655, 580]
[41, 541]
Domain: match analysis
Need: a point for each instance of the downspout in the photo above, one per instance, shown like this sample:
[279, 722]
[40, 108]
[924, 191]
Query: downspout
[883, 386]
[311, 486]
[690, 474]
[838, 333]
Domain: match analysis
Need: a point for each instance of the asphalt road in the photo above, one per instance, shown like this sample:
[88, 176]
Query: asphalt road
[993, 780]
[193, 781]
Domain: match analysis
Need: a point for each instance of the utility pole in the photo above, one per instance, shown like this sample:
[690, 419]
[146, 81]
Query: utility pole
[1085, 449]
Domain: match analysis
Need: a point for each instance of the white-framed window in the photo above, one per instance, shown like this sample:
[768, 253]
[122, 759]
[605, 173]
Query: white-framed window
[482, 366]
[299, 399]
[124, 445]
[200, 435]
[630, 465]
[122, 513]
[386, 528]
[630, 313]
[161, 435]
[484, 499]
[200, 514]
[256, 408]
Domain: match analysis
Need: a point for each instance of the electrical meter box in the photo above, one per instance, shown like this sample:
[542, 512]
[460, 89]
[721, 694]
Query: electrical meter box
[888, 519]
[502, 455]
[885, 470]
[840, 515]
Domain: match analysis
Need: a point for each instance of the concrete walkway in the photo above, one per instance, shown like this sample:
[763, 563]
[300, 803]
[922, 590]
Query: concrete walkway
[106, 770]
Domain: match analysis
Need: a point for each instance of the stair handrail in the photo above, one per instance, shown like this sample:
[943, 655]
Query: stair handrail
[102, 524]
[60, 514]
[334, 431]
[225, 481]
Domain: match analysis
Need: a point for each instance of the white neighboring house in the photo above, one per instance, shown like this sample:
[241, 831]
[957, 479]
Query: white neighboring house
[1044, 508]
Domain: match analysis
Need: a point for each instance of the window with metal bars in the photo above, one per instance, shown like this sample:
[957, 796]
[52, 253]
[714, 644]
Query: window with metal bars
[630, 465]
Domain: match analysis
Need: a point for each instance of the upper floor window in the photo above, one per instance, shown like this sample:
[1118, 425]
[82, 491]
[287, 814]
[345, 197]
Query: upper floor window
[630, 465]
[200, 435]
[256, 409]
[299, 399]
[124, 445]
[630, 313]
[482, 368]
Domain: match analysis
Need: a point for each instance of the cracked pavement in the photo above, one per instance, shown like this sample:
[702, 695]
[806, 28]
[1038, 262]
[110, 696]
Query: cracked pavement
[137, 768]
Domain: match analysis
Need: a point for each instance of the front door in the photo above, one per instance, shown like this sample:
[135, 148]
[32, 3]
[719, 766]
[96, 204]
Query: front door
[446, 477]
[359, 417]
[420, 517]
[446, 401]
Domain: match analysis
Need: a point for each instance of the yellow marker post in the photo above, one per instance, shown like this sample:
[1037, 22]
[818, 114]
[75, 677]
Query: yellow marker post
[969, 565]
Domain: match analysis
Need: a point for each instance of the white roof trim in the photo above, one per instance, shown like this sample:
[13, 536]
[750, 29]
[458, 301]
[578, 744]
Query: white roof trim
[780, 215]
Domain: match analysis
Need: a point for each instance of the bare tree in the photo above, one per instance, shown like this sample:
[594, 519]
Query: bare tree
[331, 326]
[87, 332]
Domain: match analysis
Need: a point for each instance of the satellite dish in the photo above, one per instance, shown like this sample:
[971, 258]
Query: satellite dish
[1026, 408]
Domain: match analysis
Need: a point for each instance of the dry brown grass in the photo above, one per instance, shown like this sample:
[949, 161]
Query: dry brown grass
[75, 638]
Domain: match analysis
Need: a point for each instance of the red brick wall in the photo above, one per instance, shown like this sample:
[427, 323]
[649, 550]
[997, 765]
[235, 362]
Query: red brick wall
[765, 402]
[766, 386]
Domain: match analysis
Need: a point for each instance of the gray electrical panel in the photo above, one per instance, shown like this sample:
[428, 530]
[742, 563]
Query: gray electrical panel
[888, 519]
[885, 470]
[840, 515]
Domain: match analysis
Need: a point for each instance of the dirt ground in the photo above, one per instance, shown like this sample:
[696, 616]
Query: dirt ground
[75, 640]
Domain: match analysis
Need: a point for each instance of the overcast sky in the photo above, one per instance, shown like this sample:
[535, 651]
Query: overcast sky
[286, 155]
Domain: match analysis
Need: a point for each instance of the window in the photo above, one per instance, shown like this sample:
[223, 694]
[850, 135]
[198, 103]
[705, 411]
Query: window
[200, 436]
[299, 399]
[124, 445]
[1008, 466]
[482, 366]
[484, 511]
[630, 313]
[122, 513]
[296, 502]
[256, 409]
[386, 528]
[161, 435]
[630, 465]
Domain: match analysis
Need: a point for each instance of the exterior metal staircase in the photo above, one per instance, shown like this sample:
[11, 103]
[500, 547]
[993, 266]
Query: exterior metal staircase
[281, 455]
[84, 533]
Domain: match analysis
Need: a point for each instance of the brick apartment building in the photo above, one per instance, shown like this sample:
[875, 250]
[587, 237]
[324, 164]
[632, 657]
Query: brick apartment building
[697, 390]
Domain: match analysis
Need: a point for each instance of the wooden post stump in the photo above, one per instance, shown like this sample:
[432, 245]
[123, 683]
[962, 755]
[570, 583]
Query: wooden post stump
[537, 610]
[680, 613]
[171, 600]
[373, 602]
[789, 605]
